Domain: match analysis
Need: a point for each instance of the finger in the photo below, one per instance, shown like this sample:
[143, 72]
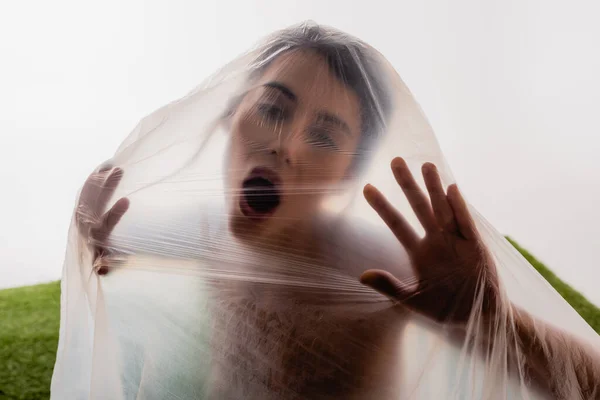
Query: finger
[422, 300]
[417, 199]
[86, 209]
[439, 201]
[94, 183]
[108, 189]
[109, 220]
[465, 222]
[114, 215]
[388, 285]
[392, 218]
[105, 167]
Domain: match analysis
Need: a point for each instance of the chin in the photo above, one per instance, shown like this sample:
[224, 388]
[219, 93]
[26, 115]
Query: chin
[248, 227]
[243, 227]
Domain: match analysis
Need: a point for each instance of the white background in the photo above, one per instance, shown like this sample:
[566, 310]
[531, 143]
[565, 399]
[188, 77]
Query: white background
[511, 88]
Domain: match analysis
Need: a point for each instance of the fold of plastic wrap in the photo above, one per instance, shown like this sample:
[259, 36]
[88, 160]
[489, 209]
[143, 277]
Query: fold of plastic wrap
[220, 253]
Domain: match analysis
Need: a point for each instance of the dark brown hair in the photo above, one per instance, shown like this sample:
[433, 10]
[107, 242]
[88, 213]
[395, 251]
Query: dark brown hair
[353, 62]
[350, 60]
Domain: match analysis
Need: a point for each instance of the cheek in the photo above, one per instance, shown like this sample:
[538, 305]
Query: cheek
[235, 159]
[323, 168]
[245, 139]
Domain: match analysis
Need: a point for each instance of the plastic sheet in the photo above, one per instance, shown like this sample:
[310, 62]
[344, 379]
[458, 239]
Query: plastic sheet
[232, 249]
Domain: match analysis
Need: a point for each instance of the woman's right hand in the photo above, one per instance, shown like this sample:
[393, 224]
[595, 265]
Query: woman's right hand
[92, 224]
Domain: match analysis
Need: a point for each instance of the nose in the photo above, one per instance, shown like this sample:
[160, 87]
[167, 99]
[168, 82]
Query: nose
[282, 152]
[285, 147]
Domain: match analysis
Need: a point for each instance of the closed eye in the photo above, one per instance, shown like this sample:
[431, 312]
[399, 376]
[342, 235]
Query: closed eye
[271, 113]
[319, 137]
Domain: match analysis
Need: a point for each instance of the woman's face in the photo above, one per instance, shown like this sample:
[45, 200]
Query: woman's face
[294, 136]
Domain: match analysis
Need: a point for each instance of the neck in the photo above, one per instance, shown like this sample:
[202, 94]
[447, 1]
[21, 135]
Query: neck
[300, 239]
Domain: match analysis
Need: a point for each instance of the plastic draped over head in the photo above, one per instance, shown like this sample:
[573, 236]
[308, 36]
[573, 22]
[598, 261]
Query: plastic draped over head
[234, 272]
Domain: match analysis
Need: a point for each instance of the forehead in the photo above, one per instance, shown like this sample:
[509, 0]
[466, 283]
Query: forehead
[316, 88]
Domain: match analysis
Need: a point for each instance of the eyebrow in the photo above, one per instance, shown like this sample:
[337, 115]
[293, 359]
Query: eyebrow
[332, 119]
[283, 89]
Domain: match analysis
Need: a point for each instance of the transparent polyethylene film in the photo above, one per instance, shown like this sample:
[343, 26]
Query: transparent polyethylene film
[291, 230]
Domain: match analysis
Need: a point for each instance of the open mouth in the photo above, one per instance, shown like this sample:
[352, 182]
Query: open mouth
[260, 193]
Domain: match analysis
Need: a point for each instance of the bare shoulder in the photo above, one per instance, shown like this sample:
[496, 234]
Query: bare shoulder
[362, 245]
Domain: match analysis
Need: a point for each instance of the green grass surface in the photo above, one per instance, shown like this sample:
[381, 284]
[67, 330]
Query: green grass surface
[29, 322]
[587, 310]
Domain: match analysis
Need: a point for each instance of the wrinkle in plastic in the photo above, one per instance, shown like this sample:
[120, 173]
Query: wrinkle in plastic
[233, 268]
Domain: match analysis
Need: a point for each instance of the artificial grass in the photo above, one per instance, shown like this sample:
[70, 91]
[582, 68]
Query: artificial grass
[29, 323]
[587, 310]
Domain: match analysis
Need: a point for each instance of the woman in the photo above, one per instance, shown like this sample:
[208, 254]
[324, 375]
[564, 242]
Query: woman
[316, 106]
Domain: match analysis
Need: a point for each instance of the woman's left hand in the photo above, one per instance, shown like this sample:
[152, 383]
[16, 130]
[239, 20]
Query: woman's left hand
[455, 272]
